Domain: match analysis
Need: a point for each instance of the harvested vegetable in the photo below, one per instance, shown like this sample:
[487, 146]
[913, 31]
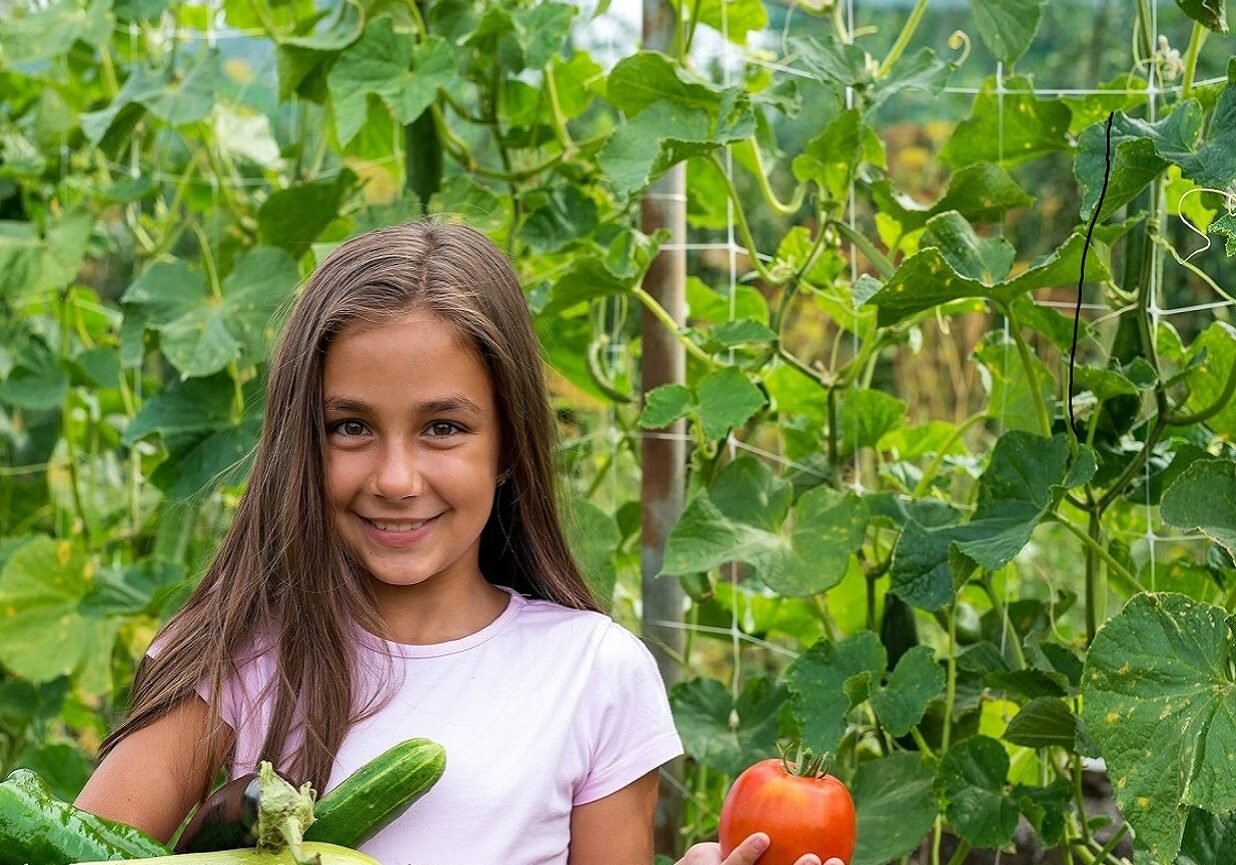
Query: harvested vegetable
[284, 813]
[38, 828]
[226, 820]
[378, 792]
[327, 854]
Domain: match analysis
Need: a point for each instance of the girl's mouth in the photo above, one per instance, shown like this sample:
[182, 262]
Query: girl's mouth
[398, 533]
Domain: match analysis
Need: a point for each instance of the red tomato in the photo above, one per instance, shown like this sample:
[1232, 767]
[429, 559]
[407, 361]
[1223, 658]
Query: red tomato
[809, 813]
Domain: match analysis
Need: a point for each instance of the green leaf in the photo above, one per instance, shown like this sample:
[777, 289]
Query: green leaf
[36, 382]
[1010, 397]
[588, 278]
[198, 465]
[41, 587]
[817, 681]
[1027, 129]
[927, 279]
[810, 558]
[1207, 837]
[1209, 13]
[724, 734]
[981, 192]
[915, 682]
[732, 18]
[1044, 722]
[865, 417]
[406, 75]
[1140, 152]
[829, 159]
[664, 405]
[987, 259]
[184, 101]
[1007, 27]
[194, 406]
[595, 539]
[566, 216]
[1213, 359]
[1160, 702]
[648, 77]
[896, 806]
[1204, 498]
[31, 34]
[1225, 225]
[972, 778]
[1025, 477]
[293, 218]
[726, 398]
[707, 304]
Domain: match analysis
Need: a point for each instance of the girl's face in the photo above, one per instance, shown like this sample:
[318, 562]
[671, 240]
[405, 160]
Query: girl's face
[412, 448]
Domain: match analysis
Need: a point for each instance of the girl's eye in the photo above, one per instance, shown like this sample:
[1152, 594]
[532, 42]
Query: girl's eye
[344, 425]
[437, 426]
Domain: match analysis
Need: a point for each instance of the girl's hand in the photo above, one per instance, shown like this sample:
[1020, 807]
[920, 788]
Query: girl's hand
[746, 853]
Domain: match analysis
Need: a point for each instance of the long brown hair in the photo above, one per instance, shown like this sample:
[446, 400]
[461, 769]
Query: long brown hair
[281, 567]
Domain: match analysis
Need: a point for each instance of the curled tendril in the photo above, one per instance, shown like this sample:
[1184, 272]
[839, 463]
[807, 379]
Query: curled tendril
[1231, 207]
[959, 40]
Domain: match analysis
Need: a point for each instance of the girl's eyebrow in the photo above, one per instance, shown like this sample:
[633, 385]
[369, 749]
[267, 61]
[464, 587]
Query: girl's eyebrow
[455, 402]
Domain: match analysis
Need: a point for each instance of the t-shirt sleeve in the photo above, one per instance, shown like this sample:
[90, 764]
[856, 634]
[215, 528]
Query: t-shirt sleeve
[628, 715]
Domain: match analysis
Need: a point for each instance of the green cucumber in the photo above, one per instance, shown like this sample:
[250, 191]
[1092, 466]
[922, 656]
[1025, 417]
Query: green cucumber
[330, 854]
[377, 793]
[38, 828]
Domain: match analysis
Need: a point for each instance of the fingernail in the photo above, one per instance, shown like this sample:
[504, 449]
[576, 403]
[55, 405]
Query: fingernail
[761, 843]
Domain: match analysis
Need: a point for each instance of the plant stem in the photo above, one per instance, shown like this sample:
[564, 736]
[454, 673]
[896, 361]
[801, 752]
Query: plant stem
[740, 217]
[904, 37]
[997, 606]
[770, 197]
[933, 467]
[950, 692]
[959, 855]
[1196, 38]
[1040, 407]
[1096, 586]
[1131, 583]
[864, 245]
[672, 326]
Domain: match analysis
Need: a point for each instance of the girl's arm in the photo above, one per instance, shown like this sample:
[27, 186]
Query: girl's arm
[154, 776]
[616, 828]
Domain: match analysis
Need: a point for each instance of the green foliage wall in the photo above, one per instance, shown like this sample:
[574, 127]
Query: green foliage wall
[940, 601]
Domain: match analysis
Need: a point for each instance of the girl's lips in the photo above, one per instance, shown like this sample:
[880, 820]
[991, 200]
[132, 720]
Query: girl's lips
[397, 539]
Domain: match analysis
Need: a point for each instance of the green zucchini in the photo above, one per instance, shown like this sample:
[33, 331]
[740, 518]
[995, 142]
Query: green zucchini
[38, 828]
[330, 854]
[377, 793]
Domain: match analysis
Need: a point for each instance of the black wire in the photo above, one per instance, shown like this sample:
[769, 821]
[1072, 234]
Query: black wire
[1081, 279]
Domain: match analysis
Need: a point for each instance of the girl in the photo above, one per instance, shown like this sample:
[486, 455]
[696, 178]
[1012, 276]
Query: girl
[397, 568]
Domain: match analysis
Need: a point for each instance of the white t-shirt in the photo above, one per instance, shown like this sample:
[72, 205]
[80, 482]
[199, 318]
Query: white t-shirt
[543, 709]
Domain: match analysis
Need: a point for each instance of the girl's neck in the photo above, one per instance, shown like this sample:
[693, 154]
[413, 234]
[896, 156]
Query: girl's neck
[425, 615]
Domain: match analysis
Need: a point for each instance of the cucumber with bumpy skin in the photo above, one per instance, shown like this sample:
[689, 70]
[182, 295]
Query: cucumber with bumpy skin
[329, 854]
[377, 793]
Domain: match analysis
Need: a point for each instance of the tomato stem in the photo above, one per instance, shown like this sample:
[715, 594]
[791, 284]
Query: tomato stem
[807, 763]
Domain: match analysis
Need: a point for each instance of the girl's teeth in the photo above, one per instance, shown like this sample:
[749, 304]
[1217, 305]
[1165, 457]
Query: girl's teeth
[398, 527]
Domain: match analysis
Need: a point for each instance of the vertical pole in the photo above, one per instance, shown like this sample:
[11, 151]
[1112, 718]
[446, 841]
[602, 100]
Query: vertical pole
[663, 459]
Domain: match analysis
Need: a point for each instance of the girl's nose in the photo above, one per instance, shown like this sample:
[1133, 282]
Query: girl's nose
[398, 473]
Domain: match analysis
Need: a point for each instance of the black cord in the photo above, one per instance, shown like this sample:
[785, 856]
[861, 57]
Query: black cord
[1081, 279]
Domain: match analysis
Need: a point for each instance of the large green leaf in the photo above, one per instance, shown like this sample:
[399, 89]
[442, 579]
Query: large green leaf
[732, 18]
[1025, 478]
[972, 780]
[32, 34]
[928, 278]
[200, 333]
[828, 680]
[1008, 131]
[723, 733]
[914, 683]
[1007, 27]
[896, 806]
[1212, 357]
[807, 558]
[1204, 497]
[43, 588]
[406, 75]
[672, 115]
[981, 192]
[1158, 698]
[185, 100]
[1010, 393]
[1140, 152]
[842, 65]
